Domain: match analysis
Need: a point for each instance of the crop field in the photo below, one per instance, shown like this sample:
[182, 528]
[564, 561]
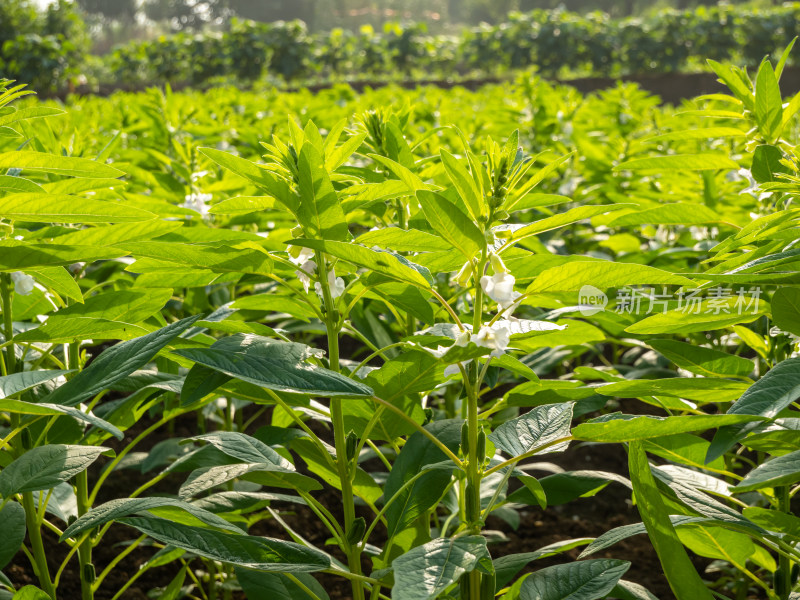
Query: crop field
[517, 343]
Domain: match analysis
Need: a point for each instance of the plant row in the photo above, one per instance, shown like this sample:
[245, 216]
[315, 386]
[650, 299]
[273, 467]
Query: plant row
[403, 307]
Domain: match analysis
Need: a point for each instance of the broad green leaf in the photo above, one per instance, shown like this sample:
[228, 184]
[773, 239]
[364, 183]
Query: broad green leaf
[30, 592]
[130, 306]
[60, 165]
[116, 363]
[181, 512]
[264, 179]
[536, 428]
[786, 309]
[569, 217]
[19, 256]
[424, 493]
[686, 584]
[46, 466]
[19, 184]
[123, 232]
[699, 389]
[320, 211]
[442, 562]
[29, 112]
[701, 317]
[275, 365]
[703, 361]
[243, 447]
[267, 473]
[380, 261]
[571, 277]
[276, 586]
[242, 257]
[412, 182]
[12, 516]
[717, 542]
[562, 488]
[780, 437]
[678, 213]
[679, 162]
[776, 390]
[683, 448]
[59, 280]
[243, 205]
[43, 408]
[774, 520]
[463, 182]
[581, 580]
[766, 163]
[76, 329]
[19, 382]
[769, 104]
[404, 240]
[60, 208]
[506, 567]
[778, 471]
[642, 428]
[701, 133]
[452, 224]
[252, 552]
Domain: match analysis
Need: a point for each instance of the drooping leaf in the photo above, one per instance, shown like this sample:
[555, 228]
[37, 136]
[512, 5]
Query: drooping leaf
[581, 580]
[703, 361]
[12, 516]
[46, 466]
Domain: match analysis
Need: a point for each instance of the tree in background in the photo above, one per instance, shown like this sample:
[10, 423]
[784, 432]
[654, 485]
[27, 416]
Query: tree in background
[113, 10]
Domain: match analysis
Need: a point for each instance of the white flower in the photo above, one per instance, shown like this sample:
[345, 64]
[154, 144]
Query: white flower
[496, 338]
[197, 203]
[306, 269]
[336, 285]
[304, 255]
[500, 288]
[23, 284]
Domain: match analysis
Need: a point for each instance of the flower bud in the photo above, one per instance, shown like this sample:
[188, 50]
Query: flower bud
[498, 266]
[351, 445]
[464, 275]
[89, 574]
[356, 531]
[465, 438]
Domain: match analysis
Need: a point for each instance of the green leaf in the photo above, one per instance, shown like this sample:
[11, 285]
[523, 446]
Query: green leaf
[779, 471]
[320, 211]
[130, 306]
[704, 361]
[46, 466]
[786, 309]
[380, 261]
[404, 240]
[452, 224]
[264, 179]
[175, 510]
[679, 162]
[677, 213]
[506, 567]
[252, 552]
[769, 104]
[774, 520]
[30, 112]
[30, 592]
[60, 165]
[571, 277]
[582, 580]
[536, 428]
[642, 428]
[463, 182]
[767, 397]
[686, 584]
[19, 256]
[60, 208]
[242, 257]
[569, 217]
[274, 365]
[269, 474]
[12, 516]
[701, 133]
[243, 447]
[116, 363]
[59, 280]
[276, 586]
[766, 163]
[425, 492]
[19, 184]
[442, 562]
[43, 408]
[19, 382]
[243, 205]
[681, 321]
[717, 542]
[699, 389]
[79, 328]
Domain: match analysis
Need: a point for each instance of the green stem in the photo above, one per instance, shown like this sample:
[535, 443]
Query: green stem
[783, 577]
[8, 323]
[85, 547]
[35, 536]
[353, 552]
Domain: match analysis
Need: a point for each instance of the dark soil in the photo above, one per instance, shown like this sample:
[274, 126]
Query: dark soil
[588, 517]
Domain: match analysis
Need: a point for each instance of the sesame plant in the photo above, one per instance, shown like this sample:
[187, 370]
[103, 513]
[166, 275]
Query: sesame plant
[216, 319]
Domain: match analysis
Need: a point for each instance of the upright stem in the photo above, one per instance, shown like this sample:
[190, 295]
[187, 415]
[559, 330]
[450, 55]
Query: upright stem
[783, 577]
[339, 436]
[8, 323]
[473, 468]
[35, 536]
